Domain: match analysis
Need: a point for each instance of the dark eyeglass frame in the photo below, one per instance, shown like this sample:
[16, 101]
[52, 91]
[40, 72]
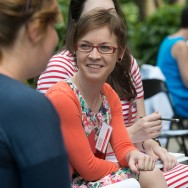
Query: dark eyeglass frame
[97, 47]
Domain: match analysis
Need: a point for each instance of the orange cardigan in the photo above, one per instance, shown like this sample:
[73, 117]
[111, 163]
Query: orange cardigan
[80, 155]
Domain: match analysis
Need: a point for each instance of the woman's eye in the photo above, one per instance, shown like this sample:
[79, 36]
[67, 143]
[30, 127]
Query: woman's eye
[105, 48]
[85, 46]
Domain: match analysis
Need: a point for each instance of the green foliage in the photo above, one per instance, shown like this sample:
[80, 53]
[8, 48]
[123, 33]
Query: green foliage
[61, 27]
[147, 36]
[131, 13]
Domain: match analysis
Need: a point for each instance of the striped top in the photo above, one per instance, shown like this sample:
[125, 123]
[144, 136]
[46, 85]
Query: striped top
[62, 66]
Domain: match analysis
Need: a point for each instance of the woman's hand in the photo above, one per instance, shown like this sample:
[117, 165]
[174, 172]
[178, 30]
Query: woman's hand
[145, 128]
[139, 161]
[157, 152]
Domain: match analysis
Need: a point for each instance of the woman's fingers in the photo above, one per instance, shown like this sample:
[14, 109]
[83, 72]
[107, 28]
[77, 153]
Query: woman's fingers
[147, 163]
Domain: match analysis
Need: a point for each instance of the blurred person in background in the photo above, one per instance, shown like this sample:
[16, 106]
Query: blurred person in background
[172, 59]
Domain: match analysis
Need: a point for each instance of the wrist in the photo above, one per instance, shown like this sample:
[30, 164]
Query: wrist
[130, 132]
[156, 140]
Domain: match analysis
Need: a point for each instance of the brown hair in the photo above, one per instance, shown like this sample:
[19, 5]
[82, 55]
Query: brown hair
[120, 78]
[16, 13]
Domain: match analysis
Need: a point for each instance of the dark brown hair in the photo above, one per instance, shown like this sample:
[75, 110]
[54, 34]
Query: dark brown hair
[98, 18]
[184, 18]
[120, 79]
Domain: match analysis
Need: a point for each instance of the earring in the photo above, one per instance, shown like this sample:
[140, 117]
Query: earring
[75, 58]
[119, 60]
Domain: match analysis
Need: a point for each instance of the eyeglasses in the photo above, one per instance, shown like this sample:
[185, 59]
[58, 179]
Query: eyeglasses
[102, 49]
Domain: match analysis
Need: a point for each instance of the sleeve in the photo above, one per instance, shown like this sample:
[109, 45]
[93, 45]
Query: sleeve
[35, 140]
[120, 140]
[79, 151]
[60, 67]
[137, 79]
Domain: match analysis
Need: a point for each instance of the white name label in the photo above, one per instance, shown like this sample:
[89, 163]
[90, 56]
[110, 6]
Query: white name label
[103, 137]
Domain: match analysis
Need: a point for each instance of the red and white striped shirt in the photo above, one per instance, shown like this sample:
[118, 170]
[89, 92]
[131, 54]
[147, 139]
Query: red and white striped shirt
[62, 66]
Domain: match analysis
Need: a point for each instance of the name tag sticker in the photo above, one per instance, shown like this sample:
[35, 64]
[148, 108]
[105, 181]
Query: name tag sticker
[103, 137]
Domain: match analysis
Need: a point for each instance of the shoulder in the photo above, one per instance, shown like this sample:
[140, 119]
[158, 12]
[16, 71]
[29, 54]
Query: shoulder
[61, 92]
[16, 92]
[173, 40]
[59, 88]
[109, 92]
[180, 44]
[64, 99]
[63, 53]
[134, 66]
[62, 56]
[135, 73]
[24, 109]
[62, 60]
[20, 101]
[179, 48]
[32, 99]
[107, 89]
[60, 67]
[112, 98]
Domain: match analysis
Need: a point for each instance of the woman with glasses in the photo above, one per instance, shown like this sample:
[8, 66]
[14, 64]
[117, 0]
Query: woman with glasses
[128, 86]
[126, 81]
[91, 112]
[141, 131]
[32, 153]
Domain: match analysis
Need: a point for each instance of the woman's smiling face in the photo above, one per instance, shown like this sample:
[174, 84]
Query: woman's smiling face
[95, 65]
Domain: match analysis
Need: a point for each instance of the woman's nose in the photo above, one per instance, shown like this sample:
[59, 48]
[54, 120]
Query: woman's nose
[95, 53]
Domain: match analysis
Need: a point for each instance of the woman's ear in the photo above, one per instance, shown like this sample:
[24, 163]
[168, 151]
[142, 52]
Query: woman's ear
[33, 32]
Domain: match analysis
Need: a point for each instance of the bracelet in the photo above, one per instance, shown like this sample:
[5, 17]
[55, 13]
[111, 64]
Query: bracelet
[143, 146]
[156, 140]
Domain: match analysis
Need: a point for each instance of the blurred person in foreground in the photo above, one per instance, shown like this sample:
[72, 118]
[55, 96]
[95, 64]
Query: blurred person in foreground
[173, 61]
[32, 153]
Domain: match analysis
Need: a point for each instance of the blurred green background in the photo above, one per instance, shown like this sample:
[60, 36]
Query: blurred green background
[149, 21]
